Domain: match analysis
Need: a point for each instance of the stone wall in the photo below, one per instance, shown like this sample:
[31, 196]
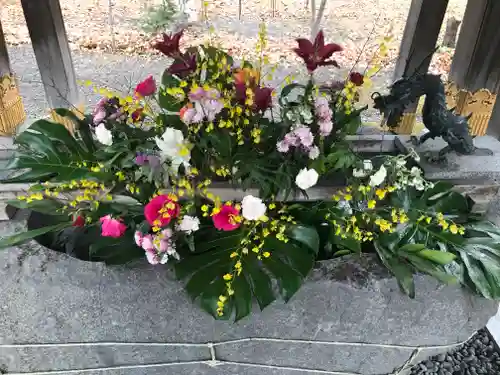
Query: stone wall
[62, 314]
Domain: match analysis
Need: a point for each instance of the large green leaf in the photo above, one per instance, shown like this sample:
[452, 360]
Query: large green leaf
[48, 151]
[20, 238]
[288, 264]
[436, 256]
[307, 236]
[398, 268]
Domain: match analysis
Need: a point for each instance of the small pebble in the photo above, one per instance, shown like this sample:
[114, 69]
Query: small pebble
[478, 356]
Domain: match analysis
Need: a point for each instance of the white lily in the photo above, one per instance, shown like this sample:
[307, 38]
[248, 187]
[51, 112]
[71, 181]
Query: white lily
[174, 148]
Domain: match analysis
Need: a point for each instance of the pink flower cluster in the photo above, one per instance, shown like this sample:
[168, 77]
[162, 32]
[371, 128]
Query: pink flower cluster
[301, 137]
[205, 104]
[159, 247]
[324, 114]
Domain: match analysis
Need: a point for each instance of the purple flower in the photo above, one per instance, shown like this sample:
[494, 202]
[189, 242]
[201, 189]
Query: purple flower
[305, 136]
[325, 128]
[283, 146]
[152, 161]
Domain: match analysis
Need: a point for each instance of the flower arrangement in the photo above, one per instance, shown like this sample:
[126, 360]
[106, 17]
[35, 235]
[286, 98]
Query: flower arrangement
[138, 177]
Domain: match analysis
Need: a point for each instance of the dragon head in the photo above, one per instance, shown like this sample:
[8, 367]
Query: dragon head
[404, 92]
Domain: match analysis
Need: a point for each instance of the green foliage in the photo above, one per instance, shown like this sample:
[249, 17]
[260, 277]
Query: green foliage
[24, 237]
[48, 152]
[158, 17]
[288, 264]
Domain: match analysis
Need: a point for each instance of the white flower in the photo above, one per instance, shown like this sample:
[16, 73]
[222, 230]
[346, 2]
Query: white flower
[367, 168]
[401, 163]
[345, 206]
[252, 208]
[415, 171]
[173, 147]
[419, 184]
[306, 178]
[103, 135]
[314, 152]
[379, 177]
[189, 224]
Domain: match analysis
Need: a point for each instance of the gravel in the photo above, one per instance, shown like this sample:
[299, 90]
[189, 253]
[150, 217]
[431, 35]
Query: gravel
[480, 355]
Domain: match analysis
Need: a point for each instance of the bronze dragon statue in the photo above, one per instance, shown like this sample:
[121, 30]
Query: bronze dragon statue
[438, 119]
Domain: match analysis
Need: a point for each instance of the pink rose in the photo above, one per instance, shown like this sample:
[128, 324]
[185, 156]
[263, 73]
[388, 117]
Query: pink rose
[112, 227]
[146, 87]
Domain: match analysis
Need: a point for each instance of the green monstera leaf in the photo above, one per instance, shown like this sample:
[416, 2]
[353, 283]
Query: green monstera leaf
[48, 151]
[287, 263]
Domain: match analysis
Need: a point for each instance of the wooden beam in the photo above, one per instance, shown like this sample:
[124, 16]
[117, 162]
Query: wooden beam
[4, 54]
[476, 63]
[420, 36]
[50, 43]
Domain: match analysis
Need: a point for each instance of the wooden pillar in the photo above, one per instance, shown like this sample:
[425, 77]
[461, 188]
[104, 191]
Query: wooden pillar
[476, 64]
[4, 55]
[50, 44]
[417, 47]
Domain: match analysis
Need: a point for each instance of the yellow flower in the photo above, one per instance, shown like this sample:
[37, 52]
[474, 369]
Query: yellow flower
[233, 255]
[348, 197]
[266, 254]
[227, 276]
[336, 198]
[371, 204]
[453, 228]
[381, 193]
[237, 265]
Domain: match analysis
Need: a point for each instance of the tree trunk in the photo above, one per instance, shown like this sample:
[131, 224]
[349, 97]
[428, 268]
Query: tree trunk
[450, 35]
[315, 27]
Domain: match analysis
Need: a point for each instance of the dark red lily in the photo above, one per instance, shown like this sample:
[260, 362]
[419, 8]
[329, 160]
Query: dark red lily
[357, 78]
[317, 53]
[184, 65]
[170, 44]
[262, 98]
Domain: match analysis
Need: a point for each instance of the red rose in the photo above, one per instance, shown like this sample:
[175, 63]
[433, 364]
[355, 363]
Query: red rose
[357, 78]
[146, 87]
[79, 221]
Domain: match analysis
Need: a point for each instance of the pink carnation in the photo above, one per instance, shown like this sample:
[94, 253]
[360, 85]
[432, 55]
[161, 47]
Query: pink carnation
[227, 219]
[112, 227]
[325, 128]
[305, 136]
[161, 210]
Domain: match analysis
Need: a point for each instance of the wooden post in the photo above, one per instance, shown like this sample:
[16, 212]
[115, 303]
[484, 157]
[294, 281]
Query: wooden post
[50, 43]
[4, 54]
[476, 64]
[417, 47]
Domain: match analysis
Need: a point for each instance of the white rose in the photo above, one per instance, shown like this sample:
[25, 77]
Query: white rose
[189, 224]
[103, 135]
[314, 152]
[252, 208]
[379, 177]
[306, 178]
[173, 147]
